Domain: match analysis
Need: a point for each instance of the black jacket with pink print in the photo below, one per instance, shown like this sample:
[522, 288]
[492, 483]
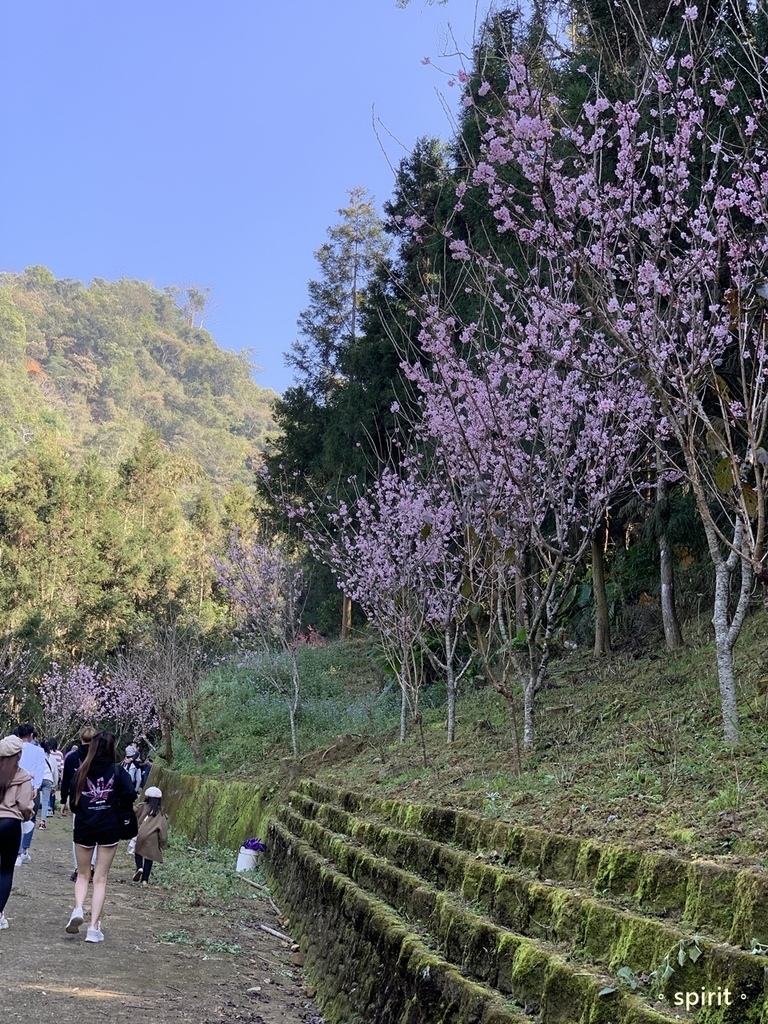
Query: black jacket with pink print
[107, 793]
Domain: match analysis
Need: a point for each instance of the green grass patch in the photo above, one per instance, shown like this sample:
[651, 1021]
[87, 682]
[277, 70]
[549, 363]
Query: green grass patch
[628, 747]
[182, 937]
[200, 877]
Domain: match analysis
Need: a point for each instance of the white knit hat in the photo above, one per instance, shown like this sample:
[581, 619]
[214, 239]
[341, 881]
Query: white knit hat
[10, 746]
[153, 791]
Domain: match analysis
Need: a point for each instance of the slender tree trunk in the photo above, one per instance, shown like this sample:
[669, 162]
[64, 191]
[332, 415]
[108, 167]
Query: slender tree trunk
[529, 701]
[508, 691]
[450, 685]
[726, 634]
[294, 738]
[293, 704]
[673, 634]
[728, 624]
[422, 739]
[166, 731]
[602, 621]
[403, 712]
[189, 732]
[346, 617]
[521, 603]
[512, 706]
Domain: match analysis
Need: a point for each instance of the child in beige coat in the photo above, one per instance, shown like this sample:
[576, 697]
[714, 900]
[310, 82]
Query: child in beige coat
[152, 837]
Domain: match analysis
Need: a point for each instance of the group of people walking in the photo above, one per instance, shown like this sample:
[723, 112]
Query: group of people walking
[99, 792]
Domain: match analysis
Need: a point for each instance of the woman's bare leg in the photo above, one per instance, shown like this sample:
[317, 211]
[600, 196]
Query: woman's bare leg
[104, 857]
[83, 862]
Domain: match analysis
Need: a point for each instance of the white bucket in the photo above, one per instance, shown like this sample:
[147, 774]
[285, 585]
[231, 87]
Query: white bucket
[246, 859]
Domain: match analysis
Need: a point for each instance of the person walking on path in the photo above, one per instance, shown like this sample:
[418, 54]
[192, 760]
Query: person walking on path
[57, 756]
[152, 837]
[132, 768]
[50, 782]
[32, 761]
[72, 762]
[102, 791]
[16, 805]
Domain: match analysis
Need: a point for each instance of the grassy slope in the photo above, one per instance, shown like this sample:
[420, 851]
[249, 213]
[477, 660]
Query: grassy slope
[628, 748]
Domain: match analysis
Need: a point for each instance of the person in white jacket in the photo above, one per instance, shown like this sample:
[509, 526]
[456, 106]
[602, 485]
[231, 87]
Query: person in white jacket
[57, 756]
[50, 782]
[32, 761]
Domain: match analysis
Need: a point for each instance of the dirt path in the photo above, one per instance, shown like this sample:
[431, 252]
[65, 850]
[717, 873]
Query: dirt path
[189, 976]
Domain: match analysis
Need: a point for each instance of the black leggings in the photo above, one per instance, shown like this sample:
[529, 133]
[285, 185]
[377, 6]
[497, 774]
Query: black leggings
[10, 841]
[144, 866]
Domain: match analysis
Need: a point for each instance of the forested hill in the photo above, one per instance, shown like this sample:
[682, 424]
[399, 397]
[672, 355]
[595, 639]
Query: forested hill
[93, 365]
[128, 447]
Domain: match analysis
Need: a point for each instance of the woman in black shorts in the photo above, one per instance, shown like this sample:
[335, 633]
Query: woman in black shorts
[101, 793]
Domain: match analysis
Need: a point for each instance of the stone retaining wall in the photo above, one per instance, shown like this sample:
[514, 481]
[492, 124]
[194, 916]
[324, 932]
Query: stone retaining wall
[412, 914]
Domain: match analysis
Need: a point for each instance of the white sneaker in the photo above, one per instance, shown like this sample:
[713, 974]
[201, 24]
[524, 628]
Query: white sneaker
[75, 920]
[3, 922]
[94, 934]
[26, 858]
[18, 862]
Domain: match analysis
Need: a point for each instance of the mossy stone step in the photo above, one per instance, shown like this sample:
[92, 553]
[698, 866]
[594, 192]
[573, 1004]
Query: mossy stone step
[607, 936]
[362, 957]
[724, 901]
[515, 965]
[604, 934]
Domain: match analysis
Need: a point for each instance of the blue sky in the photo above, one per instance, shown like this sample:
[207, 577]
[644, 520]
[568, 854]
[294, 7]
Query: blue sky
[194, 142]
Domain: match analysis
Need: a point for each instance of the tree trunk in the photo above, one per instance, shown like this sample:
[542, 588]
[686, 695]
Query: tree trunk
[189, 733]
[422, 739]
[510, 697]
[293, 703]
[726, 634]
[529, 700]
[166, 731]
[521, 602]
[403, 713]
[294, 739]
[450, 686]
[673, 635]
[346, 617]
[602, 621]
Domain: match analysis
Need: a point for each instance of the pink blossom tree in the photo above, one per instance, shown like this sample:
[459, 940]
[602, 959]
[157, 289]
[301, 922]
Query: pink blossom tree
[75, 694]
[70, 696]
[531, 422]
[265, 584]
[156, 683]
[643, 223]
[395, 552]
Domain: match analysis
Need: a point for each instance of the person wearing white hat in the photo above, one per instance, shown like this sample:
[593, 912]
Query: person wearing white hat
[152, 837]
[17, 804]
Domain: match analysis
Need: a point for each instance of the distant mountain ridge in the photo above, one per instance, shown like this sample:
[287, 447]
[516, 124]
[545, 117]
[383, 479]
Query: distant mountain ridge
[94, 364]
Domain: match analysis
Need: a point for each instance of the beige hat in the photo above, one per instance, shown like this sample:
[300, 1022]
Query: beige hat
[10, 746]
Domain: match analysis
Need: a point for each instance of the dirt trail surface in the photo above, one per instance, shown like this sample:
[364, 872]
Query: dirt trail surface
[156, 964]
